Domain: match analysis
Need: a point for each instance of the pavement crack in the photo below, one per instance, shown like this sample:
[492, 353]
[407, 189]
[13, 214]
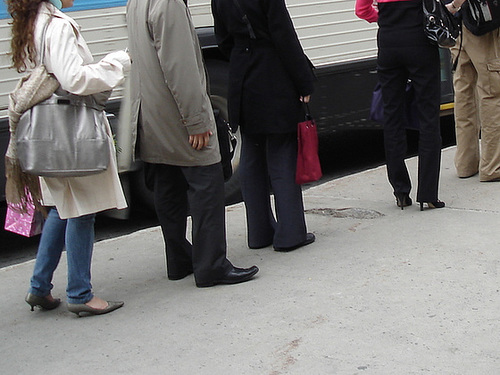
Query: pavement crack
[346, 213]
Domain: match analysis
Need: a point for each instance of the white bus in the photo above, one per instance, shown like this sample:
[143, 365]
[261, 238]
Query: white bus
[341, 46]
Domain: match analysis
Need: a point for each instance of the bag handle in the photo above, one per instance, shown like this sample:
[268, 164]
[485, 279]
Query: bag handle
[245, 19]
[455, 63]
[44, 33]
[307, 111]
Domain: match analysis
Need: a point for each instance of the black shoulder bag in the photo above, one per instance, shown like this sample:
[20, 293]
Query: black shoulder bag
[440, 26]
[227, 144]
[481, 16]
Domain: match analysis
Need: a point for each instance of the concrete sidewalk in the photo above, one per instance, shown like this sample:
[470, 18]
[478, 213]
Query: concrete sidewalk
[381, 291]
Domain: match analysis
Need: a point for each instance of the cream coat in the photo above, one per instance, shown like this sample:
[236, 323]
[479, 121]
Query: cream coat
[69, 59]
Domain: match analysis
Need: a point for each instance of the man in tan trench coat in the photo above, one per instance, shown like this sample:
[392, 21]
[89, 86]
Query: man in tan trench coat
[177, 140]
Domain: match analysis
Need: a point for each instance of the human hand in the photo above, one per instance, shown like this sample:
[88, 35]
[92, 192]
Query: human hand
[452, 8]
[305, 99]
[198, 141]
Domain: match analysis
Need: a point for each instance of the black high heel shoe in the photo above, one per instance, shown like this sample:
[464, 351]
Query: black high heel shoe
[403, 200]
[436, 204]
[43, 302]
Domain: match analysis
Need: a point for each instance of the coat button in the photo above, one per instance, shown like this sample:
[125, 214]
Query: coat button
[247, 49]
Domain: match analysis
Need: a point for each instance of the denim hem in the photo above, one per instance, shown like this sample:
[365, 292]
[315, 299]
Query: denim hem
[35, 292]
[80, 301]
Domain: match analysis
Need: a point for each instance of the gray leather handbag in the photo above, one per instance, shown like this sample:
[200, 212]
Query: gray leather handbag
[64, 135]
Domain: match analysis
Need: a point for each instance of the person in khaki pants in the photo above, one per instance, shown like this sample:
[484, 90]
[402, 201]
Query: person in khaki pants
[477, 103]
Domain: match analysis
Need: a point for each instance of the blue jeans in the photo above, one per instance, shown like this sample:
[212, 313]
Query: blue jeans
[77, 234]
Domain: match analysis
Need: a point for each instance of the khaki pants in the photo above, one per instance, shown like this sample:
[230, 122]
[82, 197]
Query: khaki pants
[477, 105]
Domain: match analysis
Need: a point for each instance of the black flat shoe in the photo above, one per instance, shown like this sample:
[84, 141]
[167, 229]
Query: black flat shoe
[179, 276]
[310, 238]
[234, 276]
[43, 302]
[78, 308]
[403, 200]
[436, 204]
[260, 246]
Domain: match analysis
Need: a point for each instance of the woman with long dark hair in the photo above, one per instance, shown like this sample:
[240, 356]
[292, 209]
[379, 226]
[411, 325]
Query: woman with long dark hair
[74, 201]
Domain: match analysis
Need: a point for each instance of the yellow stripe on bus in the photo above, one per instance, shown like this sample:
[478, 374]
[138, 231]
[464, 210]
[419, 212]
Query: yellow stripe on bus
[447, 106]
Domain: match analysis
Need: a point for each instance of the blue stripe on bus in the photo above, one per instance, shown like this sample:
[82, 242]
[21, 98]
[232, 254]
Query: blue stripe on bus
[78, 5]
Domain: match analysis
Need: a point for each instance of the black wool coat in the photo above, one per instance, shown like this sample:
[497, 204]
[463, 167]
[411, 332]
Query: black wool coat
[267, 74]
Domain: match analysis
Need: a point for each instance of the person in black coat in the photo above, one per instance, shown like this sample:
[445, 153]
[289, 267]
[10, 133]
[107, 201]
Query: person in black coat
[269, 77]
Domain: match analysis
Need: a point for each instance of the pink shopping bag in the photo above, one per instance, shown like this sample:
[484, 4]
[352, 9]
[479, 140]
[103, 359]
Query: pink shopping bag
[27, 224]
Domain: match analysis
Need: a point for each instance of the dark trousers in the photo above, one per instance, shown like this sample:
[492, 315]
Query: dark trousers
[269, 162]
[199, 190]
[405, 53]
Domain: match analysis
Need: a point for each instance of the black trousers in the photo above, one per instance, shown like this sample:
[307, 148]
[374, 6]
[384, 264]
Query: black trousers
[199, 190]
[269, 161]
[405, 53]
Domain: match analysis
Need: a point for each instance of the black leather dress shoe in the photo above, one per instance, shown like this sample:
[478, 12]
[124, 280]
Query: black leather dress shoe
[234, 276]
[310, 238]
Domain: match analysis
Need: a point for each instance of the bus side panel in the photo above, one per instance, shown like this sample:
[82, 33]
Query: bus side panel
[331, 33]
[343, 95]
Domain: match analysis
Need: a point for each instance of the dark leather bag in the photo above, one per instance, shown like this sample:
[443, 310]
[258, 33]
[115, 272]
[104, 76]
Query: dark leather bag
[481, 16]
[227, 144]
[440, 26]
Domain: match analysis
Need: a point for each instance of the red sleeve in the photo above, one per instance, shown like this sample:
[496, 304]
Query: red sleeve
[366, 11]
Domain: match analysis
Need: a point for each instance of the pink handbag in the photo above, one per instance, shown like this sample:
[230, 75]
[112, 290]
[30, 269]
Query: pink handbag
[27, 224]
[308, 165]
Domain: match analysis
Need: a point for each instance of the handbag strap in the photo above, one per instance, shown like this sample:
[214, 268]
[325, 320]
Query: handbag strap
[245, 19]
[42, 47]
[455, 63]
[44, 33]
[307, 111]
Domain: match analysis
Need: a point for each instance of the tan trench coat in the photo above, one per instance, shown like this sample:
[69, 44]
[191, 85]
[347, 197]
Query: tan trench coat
[69, 59]
[168, 85]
